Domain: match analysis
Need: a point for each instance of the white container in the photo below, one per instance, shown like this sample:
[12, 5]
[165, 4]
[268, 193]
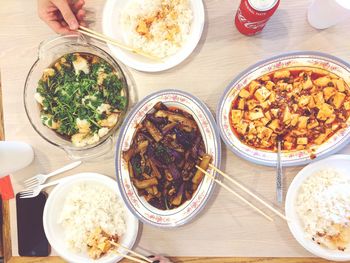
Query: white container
[326, 13]
[14, 156]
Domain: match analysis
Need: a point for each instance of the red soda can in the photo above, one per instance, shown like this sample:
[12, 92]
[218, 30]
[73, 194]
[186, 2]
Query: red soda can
[252, 15]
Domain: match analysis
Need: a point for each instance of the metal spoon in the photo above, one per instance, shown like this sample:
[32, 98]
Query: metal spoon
[279, 172]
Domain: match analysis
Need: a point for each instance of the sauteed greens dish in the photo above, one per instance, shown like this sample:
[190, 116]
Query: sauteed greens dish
[81, 97]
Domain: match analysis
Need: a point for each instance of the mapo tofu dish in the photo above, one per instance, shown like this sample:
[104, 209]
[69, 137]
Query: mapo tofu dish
[163, 155]
[302, 107]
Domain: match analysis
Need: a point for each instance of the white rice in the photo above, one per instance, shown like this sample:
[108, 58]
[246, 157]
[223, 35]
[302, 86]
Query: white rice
[87, 207]
[323, 204]
[158, 46]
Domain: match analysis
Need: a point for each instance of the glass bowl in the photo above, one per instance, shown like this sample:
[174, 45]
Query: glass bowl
[48, 52]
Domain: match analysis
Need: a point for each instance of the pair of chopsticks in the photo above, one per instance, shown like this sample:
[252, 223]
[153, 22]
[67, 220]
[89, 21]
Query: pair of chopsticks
[93, 34]
[245, 190]
[139, 258]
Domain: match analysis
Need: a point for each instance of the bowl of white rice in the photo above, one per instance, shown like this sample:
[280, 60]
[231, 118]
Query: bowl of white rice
[77, 207]
[318, 208]
[166, 29]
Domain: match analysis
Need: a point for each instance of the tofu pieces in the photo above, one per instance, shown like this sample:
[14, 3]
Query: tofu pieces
[325, 112]
[338, 99]
[262, 94]
[244, 93]
[281, 74]
[302, 141]
[256, 114]
[322, 82]
[236, 116]
[328, 92]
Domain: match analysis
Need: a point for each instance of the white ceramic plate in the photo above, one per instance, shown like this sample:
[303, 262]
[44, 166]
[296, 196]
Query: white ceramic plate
[138, 205]
[112, 27]
[295, 59]
[54, 231]
[340, 163]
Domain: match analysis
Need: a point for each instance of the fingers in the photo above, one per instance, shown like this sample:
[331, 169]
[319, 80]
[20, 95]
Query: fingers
[80, 14]
[59, 28]
[67, 14]
[78, 5]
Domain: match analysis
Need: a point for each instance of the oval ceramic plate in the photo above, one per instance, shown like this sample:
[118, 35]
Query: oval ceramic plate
[138, 205]
[54, 231]
[112, 27]
[341, 164]
[295, 59]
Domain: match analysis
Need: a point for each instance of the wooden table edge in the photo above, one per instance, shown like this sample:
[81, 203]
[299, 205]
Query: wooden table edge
[6, 247]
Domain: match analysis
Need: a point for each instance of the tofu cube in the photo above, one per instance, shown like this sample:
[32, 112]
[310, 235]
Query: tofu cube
[287, 115]
[319, 99]
[302, 141]
[303, 101]
[287, 145]
[242, 127]
[241, 104]
[275, 112]
[295, 119]
[338, 99]
[252, 104]
[322, 82]
[312, 103]
[328, 92]
[244, 93]
[270, 85]
[312, 124]
[339, 84]
[302, 124]
[274, 125]
[281, 74]
[347, 105]
[262, 94]
[236, 116]
[256, 114]
[253, 86]
[264, 133]
[307, 84]
[81, 64]
[320, 139]
[325, 112]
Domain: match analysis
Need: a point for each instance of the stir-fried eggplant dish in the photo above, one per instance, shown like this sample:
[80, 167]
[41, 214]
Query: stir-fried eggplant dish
[302, 106]
[81, 98]
[163, 156]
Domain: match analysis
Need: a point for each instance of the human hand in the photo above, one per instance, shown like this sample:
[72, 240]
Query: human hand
[159, 259]
[63, 16]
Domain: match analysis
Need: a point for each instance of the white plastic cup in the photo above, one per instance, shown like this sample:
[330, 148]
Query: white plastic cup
[14, 156]
[326, 13]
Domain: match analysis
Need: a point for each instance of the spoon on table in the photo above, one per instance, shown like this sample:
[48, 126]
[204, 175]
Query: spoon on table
[279, 171]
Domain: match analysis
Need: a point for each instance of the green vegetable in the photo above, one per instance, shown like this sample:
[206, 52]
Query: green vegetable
[68, 96]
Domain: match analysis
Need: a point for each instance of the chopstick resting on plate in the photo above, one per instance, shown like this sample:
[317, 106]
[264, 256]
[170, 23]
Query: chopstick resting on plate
[91, 33]
[234, 193]
[249, 192]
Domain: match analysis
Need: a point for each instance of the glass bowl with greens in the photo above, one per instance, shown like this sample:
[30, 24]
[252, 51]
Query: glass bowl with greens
[76, 96]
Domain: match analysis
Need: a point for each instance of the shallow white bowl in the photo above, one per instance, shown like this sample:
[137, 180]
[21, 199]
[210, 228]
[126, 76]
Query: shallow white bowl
[113, 28]
[340, 163]
[54, 205]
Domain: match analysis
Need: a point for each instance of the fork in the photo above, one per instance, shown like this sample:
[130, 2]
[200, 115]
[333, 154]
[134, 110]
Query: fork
[41, 178]
[33, 192]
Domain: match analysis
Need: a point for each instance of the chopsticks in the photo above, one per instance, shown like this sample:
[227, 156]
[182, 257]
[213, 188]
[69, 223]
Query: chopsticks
[130, 257]
[234, 193]
[131, 252]
[245, 190]
[249, 192]
[91, 33]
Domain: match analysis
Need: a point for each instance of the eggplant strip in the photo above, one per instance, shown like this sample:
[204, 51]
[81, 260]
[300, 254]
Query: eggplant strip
[155, 133]
[174, 117]
[155, 170]
[143, 184]
[198, 176]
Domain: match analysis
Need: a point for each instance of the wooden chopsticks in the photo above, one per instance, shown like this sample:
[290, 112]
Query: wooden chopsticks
[131, 252]
[245, 190]
[234, 193]
[249, 192]
[104, 38]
